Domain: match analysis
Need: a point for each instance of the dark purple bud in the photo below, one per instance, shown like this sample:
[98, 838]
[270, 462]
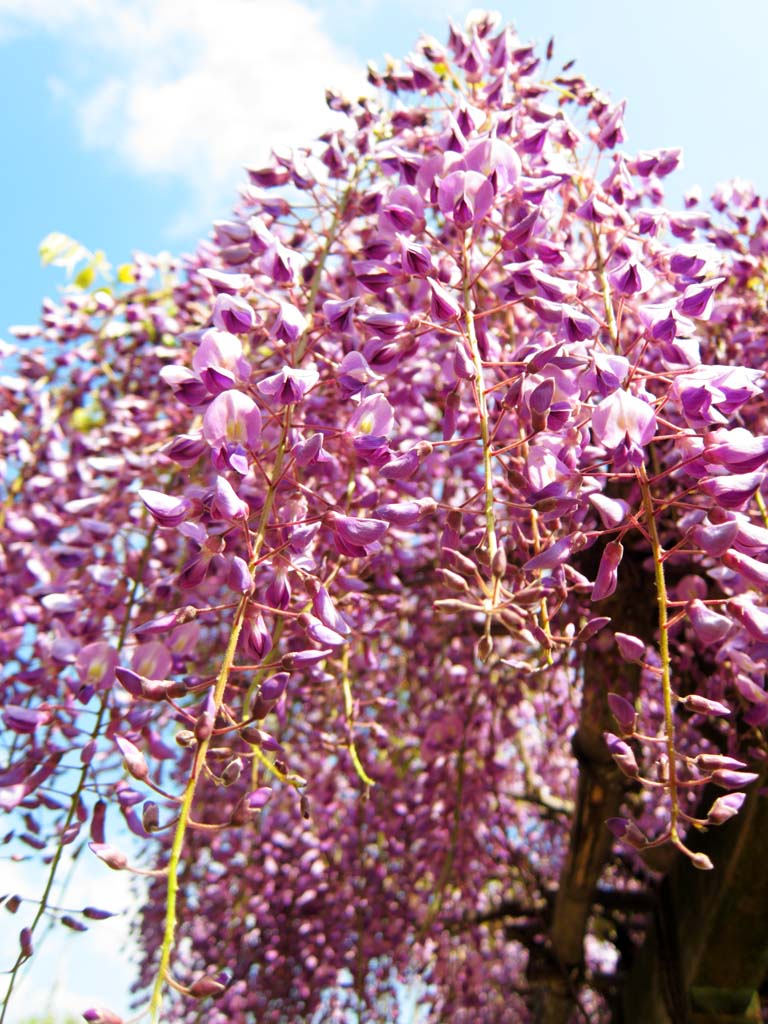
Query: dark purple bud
[592, 628]
[205, 720]
[622, 754]
[726, 778]
[631, 648]
[25, 941]
[207, 986]
[232, 771]
[406, 513]
[703, 705]
[165, 623]
[627, 831]
[71, 922]
[623, 712]
[607, 573]
[298, 659]
[713, 762]
[319, 632]
[273, 688]
[239, 577]
[150, 816]
[94, 914]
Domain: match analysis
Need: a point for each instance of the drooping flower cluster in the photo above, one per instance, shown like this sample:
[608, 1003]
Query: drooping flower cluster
[320, 547]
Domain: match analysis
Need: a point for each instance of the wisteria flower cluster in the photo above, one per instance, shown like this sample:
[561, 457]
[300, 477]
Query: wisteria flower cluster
[339, 557]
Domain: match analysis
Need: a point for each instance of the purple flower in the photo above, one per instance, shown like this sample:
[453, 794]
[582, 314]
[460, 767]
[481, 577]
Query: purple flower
[465, 197]
[709, 626]
[443, 306]
[289, 385]
[341, 315]
[734, 490]
[698, 299]
[577, 325]
[717, 539]
[623, 417]
[219, 361]
[290, 323]
[753, 618]
[226, 502]
[612, 128]
[415, 259]
[232, 427]
[374, 417]
[166, 510]
[355, 537]
[738, 449]
[99, 1015]
[233, 314]
[631, 278]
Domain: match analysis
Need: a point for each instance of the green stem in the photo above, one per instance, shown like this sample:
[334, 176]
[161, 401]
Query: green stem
[663, 607]
[181, 828]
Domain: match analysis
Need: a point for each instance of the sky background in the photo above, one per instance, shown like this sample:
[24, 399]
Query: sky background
[125, 124]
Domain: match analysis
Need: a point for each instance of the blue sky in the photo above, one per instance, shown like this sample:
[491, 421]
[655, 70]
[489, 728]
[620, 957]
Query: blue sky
[125, 124]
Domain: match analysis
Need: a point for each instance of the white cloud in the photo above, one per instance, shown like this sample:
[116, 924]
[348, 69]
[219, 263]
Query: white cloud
[191, 90]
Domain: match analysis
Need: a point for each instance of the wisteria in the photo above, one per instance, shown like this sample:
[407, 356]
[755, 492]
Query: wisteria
[350, 560]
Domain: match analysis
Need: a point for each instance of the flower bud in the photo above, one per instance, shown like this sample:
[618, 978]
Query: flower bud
[98, 1015]
[623, 712]
[622, 754]
[725, 807]
[135, 761]
[703, 705]
[111, 856]
[728, 779]
[150, 816]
